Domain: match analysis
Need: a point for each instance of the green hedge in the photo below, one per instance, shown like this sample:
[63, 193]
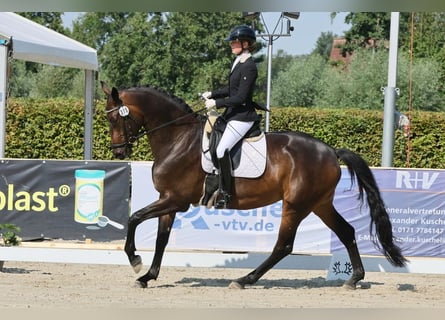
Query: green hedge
[362, 131]
[53, 129]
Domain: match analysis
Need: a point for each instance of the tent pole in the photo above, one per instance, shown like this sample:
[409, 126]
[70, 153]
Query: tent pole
[4, 49]
[88, 114]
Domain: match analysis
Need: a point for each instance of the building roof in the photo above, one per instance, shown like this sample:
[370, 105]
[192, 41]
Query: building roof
[336, 51]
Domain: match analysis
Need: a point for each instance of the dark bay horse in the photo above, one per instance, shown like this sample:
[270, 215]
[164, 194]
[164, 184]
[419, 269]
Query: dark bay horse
[301, 170]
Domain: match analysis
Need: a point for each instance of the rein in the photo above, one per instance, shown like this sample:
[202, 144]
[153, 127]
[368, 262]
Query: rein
[124, 112]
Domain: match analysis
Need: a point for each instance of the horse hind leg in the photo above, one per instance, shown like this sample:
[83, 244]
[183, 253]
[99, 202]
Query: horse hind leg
[283, 247]
[346, 233]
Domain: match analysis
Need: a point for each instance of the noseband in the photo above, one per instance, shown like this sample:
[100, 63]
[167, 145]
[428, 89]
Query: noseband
[124, 112]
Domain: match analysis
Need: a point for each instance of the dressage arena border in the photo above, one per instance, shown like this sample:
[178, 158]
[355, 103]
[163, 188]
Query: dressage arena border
[113, 254]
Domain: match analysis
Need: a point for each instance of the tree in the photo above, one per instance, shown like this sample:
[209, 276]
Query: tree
[280, 62]
[54, 82]
[298, 85]
[182, 52]
[21, 80]
[51, 20]
[95, 28]
[30, 78]
[323, 46]
[361, 86]
[428, 38]
[123, 54]
[198, 57]
[371, 30]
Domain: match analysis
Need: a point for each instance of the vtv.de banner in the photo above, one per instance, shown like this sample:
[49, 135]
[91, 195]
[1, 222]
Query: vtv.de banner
[414, 199]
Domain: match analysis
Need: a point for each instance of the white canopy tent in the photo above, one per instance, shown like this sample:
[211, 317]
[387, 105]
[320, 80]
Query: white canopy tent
[24, 39]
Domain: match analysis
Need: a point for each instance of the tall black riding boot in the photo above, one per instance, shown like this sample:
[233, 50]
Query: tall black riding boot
[225, 181]
[210, 187]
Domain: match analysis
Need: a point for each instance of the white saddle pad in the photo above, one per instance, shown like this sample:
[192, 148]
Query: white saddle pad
[253, 157]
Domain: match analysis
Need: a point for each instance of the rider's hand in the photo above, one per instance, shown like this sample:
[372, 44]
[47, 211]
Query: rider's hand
[206, 95]
[210, 103]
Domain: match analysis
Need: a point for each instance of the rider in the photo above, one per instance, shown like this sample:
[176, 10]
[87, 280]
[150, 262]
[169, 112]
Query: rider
[239, 113]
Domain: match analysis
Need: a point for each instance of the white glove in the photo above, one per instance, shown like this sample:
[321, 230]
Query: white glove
[210, 103]
[206, 95]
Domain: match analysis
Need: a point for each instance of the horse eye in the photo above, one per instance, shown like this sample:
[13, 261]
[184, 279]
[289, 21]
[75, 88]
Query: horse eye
[113, 117]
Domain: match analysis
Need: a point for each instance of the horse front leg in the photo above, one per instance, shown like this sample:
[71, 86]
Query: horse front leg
[130, 246]
[164, 228]
[159, 208]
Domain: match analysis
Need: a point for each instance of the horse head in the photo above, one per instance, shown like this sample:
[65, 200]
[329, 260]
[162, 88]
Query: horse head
[124, 122]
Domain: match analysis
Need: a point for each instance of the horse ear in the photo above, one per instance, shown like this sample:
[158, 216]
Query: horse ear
[105, 88]
[115, 94]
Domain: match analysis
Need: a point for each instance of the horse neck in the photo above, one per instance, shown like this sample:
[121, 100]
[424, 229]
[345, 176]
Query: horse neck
[175, 141]
[170, 130]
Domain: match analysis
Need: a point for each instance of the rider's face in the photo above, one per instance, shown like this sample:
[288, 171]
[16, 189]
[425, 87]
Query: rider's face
[236, 46]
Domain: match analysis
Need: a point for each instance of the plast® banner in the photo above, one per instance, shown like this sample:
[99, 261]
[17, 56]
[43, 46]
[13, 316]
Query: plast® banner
[71, 200]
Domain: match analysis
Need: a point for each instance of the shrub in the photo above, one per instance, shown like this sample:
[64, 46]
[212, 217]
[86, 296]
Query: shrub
[53, 129]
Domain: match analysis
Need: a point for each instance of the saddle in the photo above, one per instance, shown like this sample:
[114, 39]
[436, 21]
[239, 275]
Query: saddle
[215, 127]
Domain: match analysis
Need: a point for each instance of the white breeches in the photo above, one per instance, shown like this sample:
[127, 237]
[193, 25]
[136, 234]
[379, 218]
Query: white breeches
[235, 130]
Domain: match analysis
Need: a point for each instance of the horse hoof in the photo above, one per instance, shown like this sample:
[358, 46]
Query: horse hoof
[365, 285]
[349, 286]
[140, 284]
[236, 285]
[136, 264]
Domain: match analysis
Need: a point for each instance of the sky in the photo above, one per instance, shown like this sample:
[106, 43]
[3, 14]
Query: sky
[307, 29]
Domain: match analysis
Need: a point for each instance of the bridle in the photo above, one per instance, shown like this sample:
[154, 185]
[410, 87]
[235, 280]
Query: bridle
[124, 112]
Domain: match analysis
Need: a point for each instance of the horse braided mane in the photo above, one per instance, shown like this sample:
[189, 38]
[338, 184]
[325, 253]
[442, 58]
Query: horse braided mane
[179, 101]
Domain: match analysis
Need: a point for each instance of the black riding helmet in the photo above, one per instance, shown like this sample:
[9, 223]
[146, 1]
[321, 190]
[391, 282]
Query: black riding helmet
[242, 32]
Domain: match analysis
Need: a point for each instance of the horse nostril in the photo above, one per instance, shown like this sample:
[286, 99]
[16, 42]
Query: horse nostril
[119, 155]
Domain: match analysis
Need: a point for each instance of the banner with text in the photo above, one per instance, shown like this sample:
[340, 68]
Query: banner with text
[71, 200]
[414, 201]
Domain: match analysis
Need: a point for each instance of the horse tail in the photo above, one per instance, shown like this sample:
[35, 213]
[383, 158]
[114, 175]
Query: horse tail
[359, 169]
